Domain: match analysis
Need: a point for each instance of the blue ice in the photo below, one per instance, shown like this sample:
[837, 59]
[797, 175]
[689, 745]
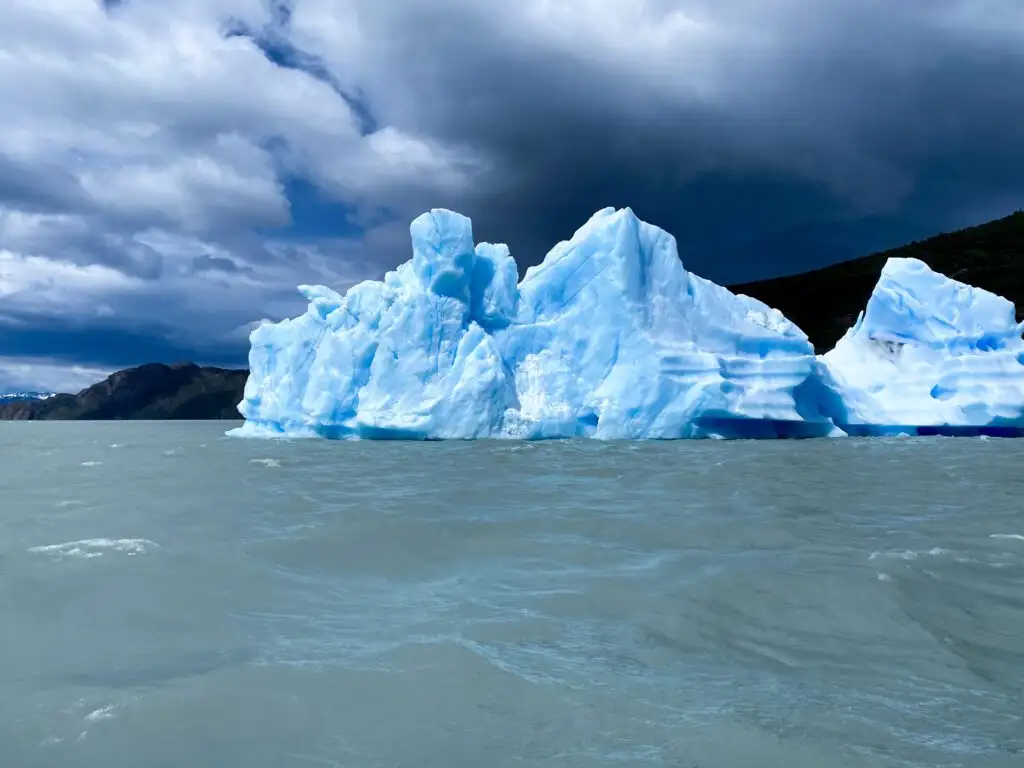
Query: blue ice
[610, 337]
[928, 355]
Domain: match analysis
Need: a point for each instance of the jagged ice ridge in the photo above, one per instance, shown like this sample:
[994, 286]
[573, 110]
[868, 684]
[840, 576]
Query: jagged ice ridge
[610, 337]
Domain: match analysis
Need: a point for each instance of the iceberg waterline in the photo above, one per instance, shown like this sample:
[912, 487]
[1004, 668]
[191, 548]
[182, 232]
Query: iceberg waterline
[611, 338]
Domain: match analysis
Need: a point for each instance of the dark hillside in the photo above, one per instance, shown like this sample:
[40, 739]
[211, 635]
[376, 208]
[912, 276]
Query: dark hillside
[152, 391]
[826, 302]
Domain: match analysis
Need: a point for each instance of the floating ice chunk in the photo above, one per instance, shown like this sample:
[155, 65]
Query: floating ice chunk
[929, 354]
[608, 337]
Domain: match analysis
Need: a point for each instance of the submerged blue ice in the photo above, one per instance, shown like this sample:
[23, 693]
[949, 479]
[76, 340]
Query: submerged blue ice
[610, 337]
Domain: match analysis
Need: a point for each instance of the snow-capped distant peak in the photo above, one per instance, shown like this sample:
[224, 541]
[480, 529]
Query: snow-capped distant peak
[11, 396]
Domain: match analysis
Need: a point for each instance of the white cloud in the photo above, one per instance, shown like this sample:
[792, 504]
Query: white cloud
[157, 114]
[24, 229]
[231, 181]
[46, 375]
[32, 284]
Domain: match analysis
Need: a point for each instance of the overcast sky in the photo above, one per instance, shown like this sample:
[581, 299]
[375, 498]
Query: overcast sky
[171, 169]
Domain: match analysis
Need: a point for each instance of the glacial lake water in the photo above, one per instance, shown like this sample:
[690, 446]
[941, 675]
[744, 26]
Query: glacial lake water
[172, 597]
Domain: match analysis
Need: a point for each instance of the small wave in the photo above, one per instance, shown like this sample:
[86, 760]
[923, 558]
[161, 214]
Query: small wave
[89, 548]
[69, 503]
[516, 448]
[1016, 536]
[266, 462]
[103, 713]
[91, 463]
[116, 445]
[909, 554]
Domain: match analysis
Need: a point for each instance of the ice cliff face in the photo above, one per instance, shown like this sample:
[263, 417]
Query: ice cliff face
[615, 339]
[929, 354]
[610, 337]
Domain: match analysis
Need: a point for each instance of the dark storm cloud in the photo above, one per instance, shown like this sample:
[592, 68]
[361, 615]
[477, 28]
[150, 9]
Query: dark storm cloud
[39, 187]
[784, 116]
[114, 346]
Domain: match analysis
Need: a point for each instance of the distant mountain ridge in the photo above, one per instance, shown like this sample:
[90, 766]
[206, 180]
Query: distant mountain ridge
[826, 302]
[151, 391]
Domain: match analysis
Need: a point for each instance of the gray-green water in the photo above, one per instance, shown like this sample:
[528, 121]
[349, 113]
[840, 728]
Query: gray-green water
[170, 597]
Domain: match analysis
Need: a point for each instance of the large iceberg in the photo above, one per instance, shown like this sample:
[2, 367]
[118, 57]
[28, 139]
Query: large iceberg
[610, 337]
[928, 355]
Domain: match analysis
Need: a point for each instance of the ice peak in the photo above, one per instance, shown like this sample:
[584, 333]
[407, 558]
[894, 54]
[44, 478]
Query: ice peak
[322, 300]
[613, 253]
[913, 303]
[443, 252]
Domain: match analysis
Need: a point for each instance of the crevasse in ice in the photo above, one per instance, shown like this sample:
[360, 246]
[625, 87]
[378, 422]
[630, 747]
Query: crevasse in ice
[928, 354]
[610, 337]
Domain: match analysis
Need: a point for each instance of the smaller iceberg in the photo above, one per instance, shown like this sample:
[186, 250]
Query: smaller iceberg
[929, 355]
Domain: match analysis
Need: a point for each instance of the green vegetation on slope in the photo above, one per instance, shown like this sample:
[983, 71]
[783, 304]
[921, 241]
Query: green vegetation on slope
[826, 302]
